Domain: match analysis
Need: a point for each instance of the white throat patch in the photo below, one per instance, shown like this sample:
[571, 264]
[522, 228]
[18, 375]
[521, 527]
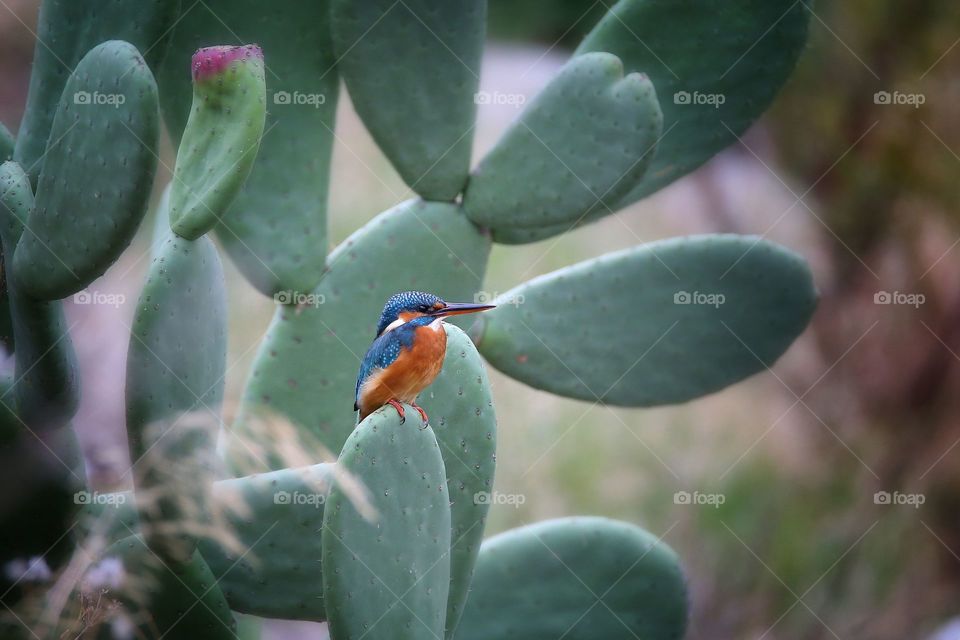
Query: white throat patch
[436, 325]
[393, 325]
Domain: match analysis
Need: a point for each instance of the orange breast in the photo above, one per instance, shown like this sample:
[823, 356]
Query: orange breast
[412, 372]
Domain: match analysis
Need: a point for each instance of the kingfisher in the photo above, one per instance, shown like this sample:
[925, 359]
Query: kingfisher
[407, 352]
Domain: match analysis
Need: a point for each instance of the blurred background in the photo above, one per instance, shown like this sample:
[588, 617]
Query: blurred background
[829, 488]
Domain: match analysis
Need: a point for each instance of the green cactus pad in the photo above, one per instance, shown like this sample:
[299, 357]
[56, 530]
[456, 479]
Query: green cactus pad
[693, 51]
[169, 371]
[658, 324]
[389, 576]
[221, 139]
[580, 146]
[276, 228]
[265, 548]
[174, 480]
[276, 518]
[96, 179]
[578, 579]
[6, 143]
[460, 408]
[6, 321]
[306, 368]
[743, 50]
[412, 69]
[16, 203]
[47, 391]
[169, 600]
[160, 230]
[66, 31]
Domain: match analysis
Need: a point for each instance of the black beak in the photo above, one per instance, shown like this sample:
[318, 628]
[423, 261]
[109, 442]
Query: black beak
[460, 308]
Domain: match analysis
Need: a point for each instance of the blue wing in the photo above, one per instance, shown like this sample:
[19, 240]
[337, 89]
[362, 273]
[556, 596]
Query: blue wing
[381, 354]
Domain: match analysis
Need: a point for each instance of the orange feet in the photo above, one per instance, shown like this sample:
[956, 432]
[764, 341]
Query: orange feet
[399, 407]
[402, 413]
[423, 414]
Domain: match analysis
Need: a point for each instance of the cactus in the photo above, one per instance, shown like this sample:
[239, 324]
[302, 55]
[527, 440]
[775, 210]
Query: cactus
[276, 229]
[545, 581]
[389, 570]
[544, 170]
[220, 141]
[417, 101]
[6, 143]
[66, 31]
[90, 202]
[296, 511]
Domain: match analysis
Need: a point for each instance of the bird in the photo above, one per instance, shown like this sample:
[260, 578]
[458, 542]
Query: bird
[407, 352]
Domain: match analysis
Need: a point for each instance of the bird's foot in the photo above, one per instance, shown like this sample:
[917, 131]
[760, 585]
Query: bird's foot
[423, 414]
[399, 407]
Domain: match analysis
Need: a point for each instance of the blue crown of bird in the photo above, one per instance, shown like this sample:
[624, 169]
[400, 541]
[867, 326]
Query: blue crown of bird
[407, 353]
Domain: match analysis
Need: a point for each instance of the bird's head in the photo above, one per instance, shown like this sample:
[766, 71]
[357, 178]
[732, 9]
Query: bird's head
[404, 307]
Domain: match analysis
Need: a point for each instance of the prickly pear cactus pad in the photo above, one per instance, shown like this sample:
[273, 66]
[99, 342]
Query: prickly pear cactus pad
[163, 600]
[66, 31]
[579, 578]
[99, 167]
[388, 576]
[581, 145]
[658, 324]
[221, 139]
[46, 392]
[276, 229]
[174, 479]
[276, 518]
[6, 143]
[265, 555]
[170, 371]
[307, 364]
[461, 412]
[716, 65]
[413, 69]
